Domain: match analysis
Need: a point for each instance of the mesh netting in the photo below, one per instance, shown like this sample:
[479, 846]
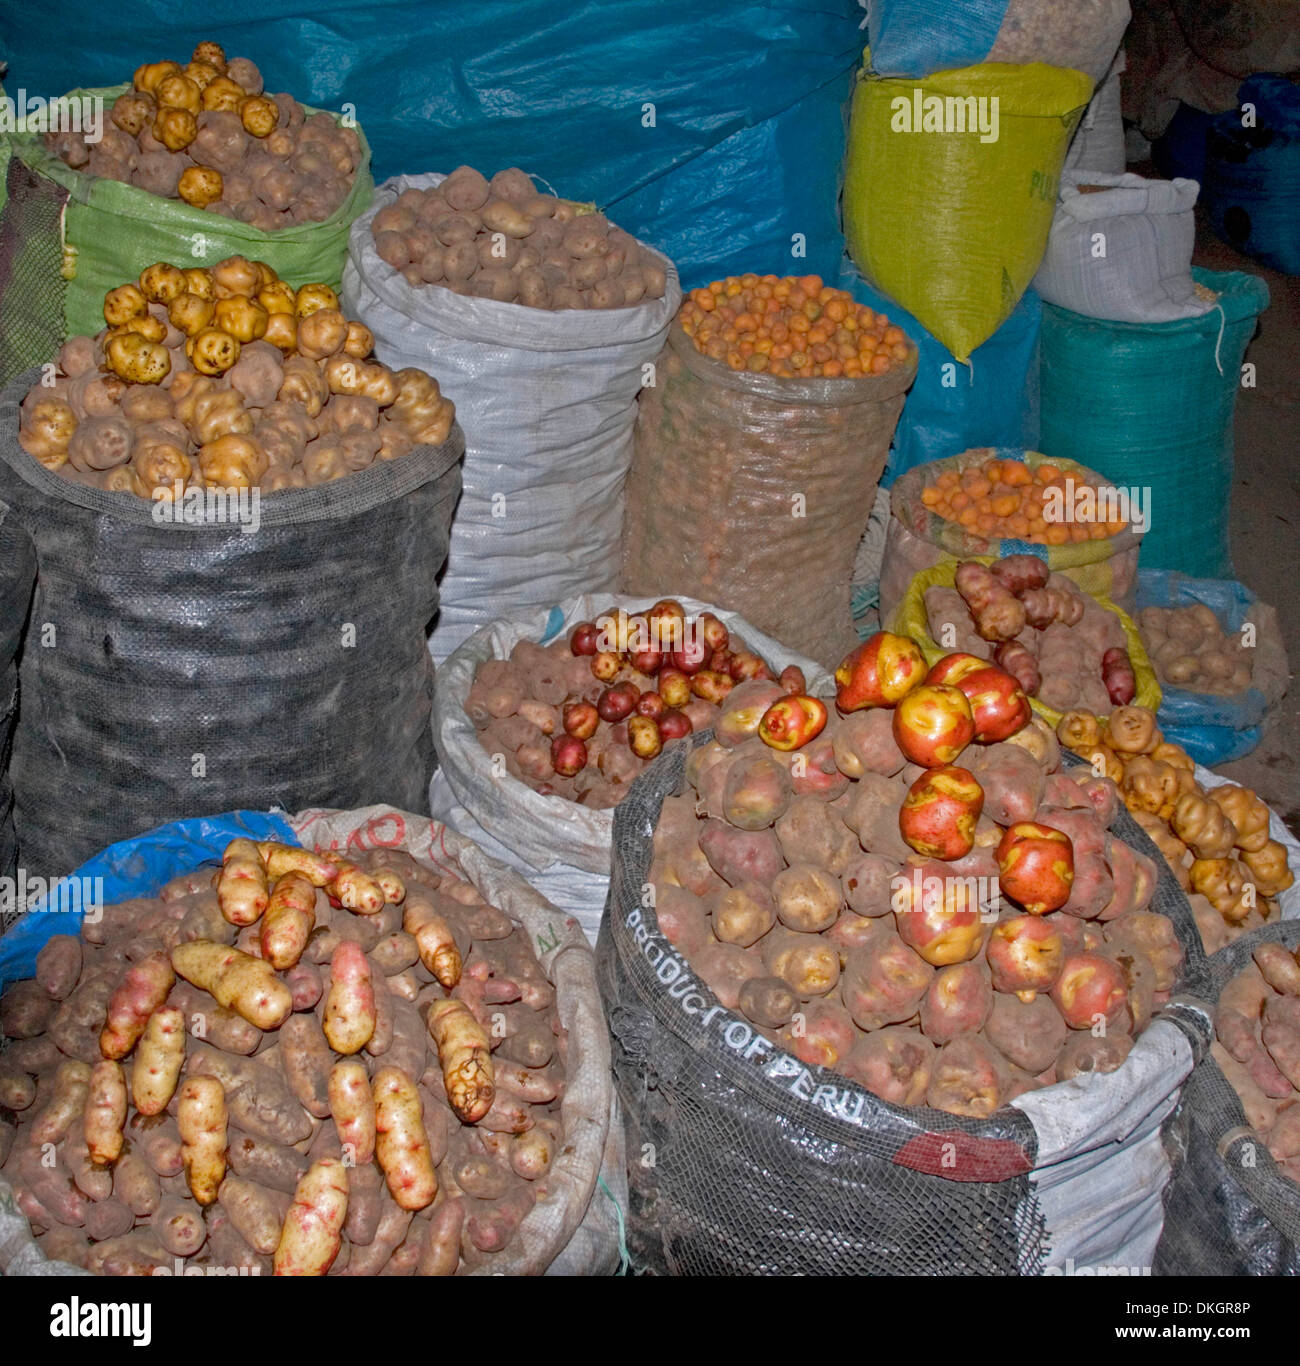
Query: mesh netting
[200, 668]
[743, 1161]
[1230, 1210]
[31, 282]
[17, 576]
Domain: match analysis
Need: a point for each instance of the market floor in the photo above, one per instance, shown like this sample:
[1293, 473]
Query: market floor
[1266, 510]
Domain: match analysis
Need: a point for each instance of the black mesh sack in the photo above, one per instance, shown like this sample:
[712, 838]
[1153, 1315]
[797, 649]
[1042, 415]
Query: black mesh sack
[744, 1161]
[17, 577]
[172, 670]
[1230, 1211]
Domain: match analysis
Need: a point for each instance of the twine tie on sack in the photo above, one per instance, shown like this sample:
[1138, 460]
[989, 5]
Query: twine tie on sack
[1218, 341]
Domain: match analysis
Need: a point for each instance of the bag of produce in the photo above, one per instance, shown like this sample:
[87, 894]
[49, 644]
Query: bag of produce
[1098, 143]
[1066, 656]
[544, 366]
[1219, 656]
[224, 612]
[17, 580]
[796, 1124]
[1121, 249]
[925, 530]
[1150, 406]
[1233, 1207]
[743, 470]
[340, 998]
[105, 210]
[969, 161]
[918, 37]
[1252, 172]
[560, 845]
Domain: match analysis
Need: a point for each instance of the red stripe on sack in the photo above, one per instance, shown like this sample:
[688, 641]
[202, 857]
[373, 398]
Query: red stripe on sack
[958, 1156]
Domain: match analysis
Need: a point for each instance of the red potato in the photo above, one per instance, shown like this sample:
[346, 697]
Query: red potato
[957, 1001]
[938, 815]
[791, 723]
[491, 1227]
[939, 915]
[741, 915]
[17, 1088]
[1133, 878]
[107, 1219]
[998, 703]
[725, 968]
[894, 1064]
[350, 1002]
[440, 1253]
[969, 1078]
[1036, 866]
[258, 1099]
[1026, 954]
[142, 990]
[933, 724]
[878, 673]
[178, 1226]
[313, 1228]
[820, 1034]
[871, 812]
[136, 1185]
[997, 613]
[741, 855]
[158, 1140]
[207, 1020]
[1018, 660]
[266, 1163]
[683, 918]
[1091, 992]
[884, 982]
[1019, 573]
[1029, 1034]
[58, 966]
[67, 1091]
[1012, 782]
[743, 710]
[306, 1059]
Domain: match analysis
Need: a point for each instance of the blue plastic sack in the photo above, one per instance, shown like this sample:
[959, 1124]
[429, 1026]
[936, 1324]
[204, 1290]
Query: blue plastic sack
[131, 868]
[746, 98]
[1213, 730]
[954, 407]
[1252, 175]
[1179, 152]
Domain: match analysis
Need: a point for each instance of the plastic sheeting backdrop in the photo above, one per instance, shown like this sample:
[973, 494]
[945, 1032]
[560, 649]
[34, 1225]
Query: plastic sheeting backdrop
[1150, 405]
[197, 667]
[1230, 1210]
[763, 1165]
[715, 134]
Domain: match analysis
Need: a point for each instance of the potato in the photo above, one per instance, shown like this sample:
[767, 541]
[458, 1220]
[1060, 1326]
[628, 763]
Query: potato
[809, 964]
[969, 1078]
[239, 981]
[884, 981]
[259, 1100]
[306, 1059]
[313, 1228]
[26, 1010]
[178, 1226]
[1278, 967]
[58, 966]
[894, 1064]
[867, 884]
[957, 1001]
[725, 968]
[136, 1184]
[741, 915]
[62, 1102]
[17, 1088]
[465, 189]
[807, 897]
[265, 1162]
[1029, 1034]
[741, 855]
[1083, 1054]
[811, 832]
[820, 1034]
[138, 1253]
[683, 919]
[863, 742]
[201, 1119]
[767, 1001]
[158, 1141]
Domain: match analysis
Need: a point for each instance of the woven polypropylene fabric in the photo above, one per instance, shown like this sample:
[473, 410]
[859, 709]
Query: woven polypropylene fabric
[744, 1165]
[32, 287]
[1230, 1211]
[173, 670]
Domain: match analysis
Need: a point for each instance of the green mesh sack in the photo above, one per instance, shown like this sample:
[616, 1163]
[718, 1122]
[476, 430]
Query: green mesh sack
[107, 232]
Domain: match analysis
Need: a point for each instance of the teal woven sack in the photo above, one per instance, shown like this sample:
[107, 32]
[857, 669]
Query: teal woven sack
[1150, 405]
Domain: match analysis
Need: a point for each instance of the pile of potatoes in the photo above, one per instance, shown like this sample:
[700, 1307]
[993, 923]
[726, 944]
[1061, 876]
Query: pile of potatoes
[790, 882]
[206, 133]
[294, 1065]
[1191, 650]
[1258, 1048]
[1064, 648]
[225, 377]
[501, 239]
[1215, 840]
[581, 717]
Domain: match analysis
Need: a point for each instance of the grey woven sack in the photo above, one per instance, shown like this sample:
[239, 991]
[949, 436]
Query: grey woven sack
[172, 670]
[744, 1161]
[17, 578]
[1230, 1211]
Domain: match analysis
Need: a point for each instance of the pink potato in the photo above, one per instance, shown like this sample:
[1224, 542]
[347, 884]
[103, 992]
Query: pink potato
[884, 981]
[743, 710]
[867, 882]
[1278, 967]
[683, 918]
[819, 1034]
[957, 1001]
[1093, 888]
[756, 793]
[894, 1064]
[863, 742]
[813, 772]
[725, 968]
[1029, 1034]
[812, 832]
[741, 855]
[970, 1078]
[871, 812]
[1154, 934]
[1012, 781]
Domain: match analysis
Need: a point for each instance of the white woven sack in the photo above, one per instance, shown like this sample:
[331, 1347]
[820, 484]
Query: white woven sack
[562, 848]
[547, 400]
[1098, 142]
[1124, 254]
